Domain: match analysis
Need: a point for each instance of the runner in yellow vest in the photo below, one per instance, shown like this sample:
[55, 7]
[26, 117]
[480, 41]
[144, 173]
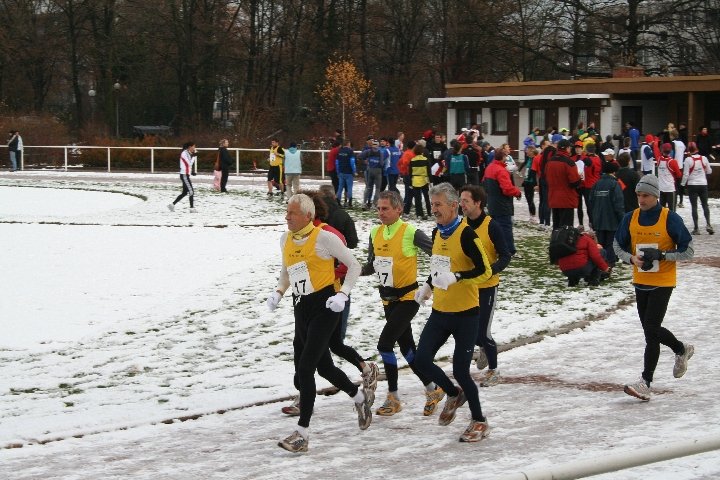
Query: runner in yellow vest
[653, 239]
[457, 266]
[275, 172]
[308, 268]
[472, 201]
[392, 255]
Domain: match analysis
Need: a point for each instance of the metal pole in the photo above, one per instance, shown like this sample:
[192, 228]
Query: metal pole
[618, 461]
[66, 155]
[322, 164]
[108, 159]
[152, 160]
[117, 115]
[237, 162]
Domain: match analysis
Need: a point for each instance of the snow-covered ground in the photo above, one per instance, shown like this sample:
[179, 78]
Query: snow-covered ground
[120, 319]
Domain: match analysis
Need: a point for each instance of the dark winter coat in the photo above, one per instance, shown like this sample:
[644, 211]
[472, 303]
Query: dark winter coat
[607, 206]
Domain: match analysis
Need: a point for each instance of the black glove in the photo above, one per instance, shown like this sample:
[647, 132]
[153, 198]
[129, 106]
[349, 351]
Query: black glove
[193, 173]
[649, 256]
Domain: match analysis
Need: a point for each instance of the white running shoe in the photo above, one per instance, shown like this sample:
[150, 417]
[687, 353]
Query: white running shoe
[476, 431]
[639, 390]
[295, 443]
[490, 378]
[363, 410]
[293, 409]
[193, 210]
[681, 361]
[481, 362]
[451, 406]
[370, 377]
[171, 207]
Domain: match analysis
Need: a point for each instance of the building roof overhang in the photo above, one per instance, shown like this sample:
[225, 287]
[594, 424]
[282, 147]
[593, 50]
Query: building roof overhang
[583, 88]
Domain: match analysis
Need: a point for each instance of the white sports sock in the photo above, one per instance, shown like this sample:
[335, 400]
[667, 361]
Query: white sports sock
[359, 396]
[395, 394]
[303, 431]
[430, 387]
[366, 368]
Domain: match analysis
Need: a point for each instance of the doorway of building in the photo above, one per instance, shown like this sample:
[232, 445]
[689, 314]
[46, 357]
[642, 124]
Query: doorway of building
[632, 114]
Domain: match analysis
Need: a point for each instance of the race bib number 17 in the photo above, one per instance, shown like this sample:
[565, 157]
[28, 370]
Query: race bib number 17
[300, 279]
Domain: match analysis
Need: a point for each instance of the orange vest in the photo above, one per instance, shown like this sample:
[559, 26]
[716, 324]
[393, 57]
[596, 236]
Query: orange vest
[664, 273]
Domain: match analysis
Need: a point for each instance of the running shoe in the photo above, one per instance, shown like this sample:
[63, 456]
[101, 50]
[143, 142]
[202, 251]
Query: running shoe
[363, 410]
[171, 207]
[390, 407]
[481, 361]
[295, 443]
[710, 229]
[193, 210]
[370, 377]
[451, 405]
[490, 378]
[681, 361]
[293, 409]
[431, 400]
[696, 231]
[639, 389]
[475, 432]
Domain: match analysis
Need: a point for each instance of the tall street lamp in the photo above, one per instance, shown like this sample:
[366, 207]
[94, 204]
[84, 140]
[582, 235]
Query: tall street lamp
[91, 94]
[116, 88]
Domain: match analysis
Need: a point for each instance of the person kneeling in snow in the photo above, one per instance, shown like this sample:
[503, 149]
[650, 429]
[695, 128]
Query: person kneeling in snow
[588, 262]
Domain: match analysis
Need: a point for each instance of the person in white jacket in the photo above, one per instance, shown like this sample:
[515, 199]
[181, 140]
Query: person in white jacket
[695, 170]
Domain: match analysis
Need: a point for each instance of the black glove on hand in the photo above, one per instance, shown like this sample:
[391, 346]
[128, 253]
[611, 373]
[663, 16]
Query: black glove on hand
[649, 256]
[193, 173]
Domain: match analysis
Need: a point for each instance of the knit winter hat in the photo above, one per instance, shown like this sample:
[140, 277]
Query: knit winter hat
[648, 184]
[666, 147]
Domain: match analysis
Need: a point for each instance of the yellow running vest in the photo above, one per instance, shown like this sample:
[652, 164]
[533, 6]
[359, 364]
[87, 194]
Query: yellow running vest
[418, 171]
[308, 273]
[448, 256]
[275, 159]
[393, 268]
[662, 274]
[490, 252]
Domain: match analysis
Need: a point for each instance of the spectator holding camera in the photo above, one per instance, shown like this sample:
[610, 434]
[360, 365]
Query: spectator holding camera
[653, 239]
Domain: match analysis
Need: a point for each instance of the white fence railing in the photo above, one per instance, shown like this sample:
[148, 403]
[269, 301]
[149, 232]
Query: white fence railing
[76, 150]
[612, 462]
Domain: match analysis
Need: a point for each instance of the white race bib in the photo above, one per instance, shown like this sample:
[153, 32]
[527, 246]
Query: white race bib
[300, 279]
[656, 263]
[384, 269]
[272, 157]
[439, 264]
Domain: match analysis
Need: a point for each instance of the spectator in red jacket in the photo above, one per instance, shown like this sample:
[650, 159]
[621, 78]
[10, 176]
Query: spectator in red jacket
[562, 177]
[587, 262]
[501, 190]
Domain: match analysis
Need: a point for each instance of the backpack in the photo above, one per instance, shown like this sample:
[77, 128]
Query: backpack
[563, 242]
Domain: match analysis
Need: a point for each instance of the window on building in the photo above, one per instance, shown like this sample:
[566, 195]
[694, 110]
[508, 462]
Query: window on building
[464, 118]
[537, 118]
[499, 121]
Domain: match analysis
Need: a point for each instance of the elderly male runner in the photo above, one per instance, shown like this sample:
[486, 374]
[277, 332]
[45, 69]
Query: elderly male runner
[457, 266]
[308, 268]
[392, 255]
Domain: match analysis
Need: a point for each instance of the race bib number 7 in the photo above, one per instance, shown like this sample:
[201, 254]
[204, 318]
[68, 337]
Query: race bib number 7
[300, 279]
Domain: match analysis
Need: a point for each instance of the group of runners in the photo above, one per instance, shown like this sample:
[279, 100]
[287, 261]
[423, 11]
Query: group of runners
[466, 255]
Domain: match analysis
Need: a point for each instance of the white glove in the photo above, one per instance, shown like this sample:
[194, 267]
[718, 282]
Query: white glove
[273, 300]
[444, 280]
[336, 303]
[423, 293]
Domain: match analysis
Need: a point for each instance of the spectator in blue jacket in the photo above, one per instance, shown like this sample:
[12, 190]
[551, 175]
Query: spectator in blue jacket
[346, 170]
[607, 208]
